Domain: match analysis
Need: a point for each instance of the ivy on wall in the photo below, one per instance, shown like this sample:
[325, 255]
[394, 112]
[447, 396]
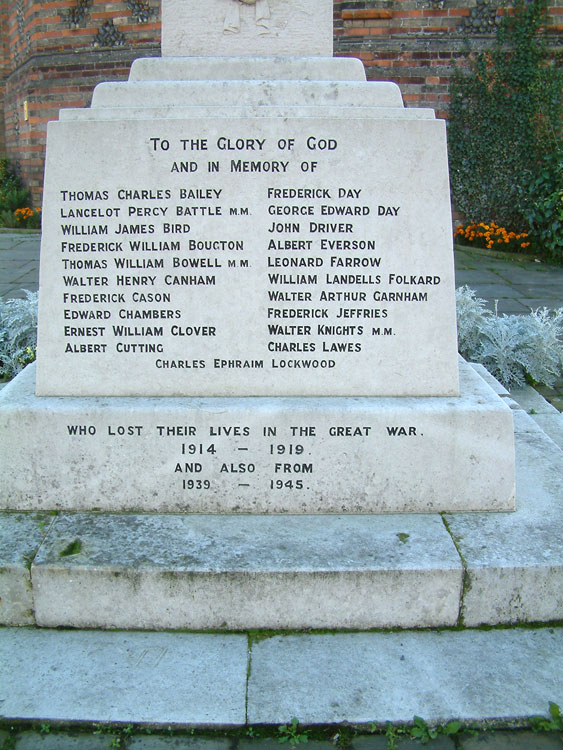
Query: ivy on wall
[505, 131]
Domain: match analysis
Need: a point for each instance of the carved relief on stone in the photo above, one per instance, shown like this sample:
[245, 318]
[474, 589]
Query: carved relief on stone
[232, 22]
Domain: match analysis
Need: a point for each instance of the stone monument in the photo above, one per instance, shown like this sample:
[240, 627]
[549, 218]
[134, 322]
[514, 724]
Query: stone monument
[247, 291]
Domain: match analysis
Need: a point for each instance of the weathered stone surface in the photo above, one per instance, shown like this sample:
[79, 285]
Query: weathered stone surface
[318, 344]
[272, 743]
[62, 741]
[515, 562]
[377, 742]
[21, 535]
[182, 679]
[378, 455]
[175, 111]
[513, 741]
[395, 676]
[247, 69]
[246, 93]
[489, 379]
[161, 678]
[267, 27]
[207, 572]
[542, 412]
[180, 743]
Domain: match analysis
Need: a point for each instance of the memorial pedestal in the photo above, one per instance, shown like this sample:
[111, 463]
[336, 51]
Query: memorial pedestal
[247, 307]
[257, 455]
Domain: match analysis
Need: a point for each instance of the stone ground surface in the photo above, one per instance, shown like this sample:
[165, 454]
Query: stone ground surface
[501, 675]
[53, 740]
[189, 683]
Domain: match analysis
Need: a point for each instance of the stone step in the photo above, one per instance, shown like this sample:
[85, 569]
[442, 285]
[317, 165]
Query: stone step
[238, 93]
[162, 571]
[247, 69]
[221, 680]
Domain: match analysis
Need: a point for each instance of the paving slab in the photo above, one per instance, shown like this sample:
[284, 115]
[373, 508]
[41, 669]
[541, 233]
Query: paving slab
[179, 743]
[243, 572]
[61, 741]
[159, 678]
[513, 741]
[440, 743]
[366, 677]
[19, 263]
[274, 744]
[377, 742]
[21, 535]
[514, 562]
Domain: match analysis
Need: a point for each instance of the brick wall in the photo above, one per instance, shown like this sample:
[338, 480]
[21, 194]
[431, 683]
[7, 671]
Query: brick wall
[417, 43]
[53, 53]
[4, 67]
[56, 51]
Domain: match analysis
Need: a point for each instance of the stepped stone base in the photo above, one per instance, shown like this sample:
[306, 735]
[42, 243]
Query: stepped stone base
[240, 572]
[257, 455]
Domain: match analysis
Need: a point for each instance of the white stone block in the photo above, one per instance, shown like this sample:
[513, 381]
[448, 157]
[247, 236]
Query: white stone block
[21, 535]
[145, 678]
[488, 378]
[245, 572]
[247, 69]
[175, 112]
[246, 93]
[361, 678]
[542, 412]
[265, 27]
[515, 562]
[161, 282]
[261, 455]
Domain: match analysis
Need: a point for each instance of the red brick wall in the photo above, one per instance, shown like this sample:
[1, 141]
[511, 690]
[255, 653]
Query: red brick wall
[53, 53]
[417, 43]
[4, 67]
[56, 51]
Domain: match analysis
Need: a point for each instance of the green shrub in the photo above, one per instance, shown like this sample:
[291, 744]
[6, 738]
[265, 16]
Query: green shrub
[505, 144]
[13, 195]
[545, 214]
[8, 178]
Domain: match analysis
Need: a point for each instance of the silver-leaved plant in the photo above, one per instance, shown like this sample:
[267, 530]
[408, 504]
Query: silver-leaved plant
[18, 333]
[512, 347]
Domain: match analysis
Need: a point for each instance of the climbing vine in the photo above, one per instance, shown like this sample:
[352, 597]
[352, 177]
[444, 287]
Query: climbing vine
[505, 129]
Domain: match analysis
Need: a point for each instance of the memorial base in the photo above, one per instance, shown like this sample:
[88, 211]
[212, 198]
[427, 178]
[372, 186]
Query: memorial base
[156, 571]
[257, 455]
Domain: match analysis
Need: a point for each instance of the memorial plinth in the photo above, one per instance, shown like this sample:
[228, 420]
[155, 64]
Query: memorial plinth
[255, 257]
[247, 293]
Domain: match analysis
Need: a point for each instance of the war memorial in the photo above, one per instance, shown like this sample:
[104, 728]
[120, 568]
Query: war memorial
[248, 410]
